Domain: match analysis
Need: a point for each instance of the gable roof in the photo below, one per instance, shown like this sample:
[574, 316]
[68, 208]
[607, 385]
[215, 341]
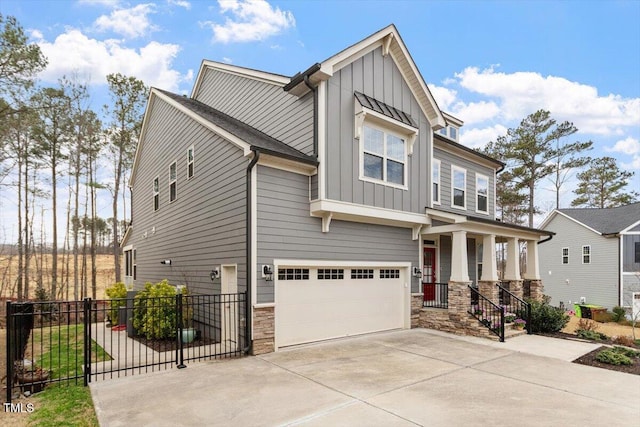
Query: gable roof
[607, 220]
[389, 39]
[244, 136]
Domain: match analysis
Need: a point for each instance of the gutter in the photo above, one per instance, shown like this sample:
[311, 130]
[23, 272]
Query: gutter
[546, 240]
[249, 261]
[299, 77]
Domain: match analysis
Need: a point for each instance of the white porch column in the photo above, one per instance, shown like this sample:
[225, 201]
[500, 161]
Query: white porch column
[512, 270]
[533, 268]
[459, 263]
[489, 264]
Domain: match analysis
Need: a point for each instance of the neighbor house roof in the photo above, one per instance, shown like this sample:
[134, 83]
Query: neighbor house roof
[607, 220]
[252, 136]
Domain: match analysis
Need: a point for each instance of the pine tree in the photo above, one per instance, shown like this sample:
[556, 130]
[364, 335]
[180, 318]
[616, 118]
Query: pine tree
[602, 185]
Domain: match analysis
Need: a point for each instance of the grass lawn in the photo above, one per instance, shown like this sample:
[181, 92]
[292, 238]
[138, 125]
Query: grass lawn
[63, 405]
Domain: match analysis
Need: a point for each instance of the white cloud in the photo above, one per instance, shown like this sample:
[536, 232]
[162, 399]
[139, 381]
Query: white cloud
[444, 97]
[479, 137]
[180, 3]
[227, 60]
[133, 22]
[633, 164]
[522, 93]
[73, 51]
[628, 145]
[475, 112]
[252, 20]
[111, 3]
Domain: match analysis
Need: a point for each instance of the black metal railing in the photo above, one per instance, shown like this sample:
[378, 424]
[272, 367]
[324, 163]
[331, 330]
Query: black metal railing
[435, 295]
[488, 314]
[515, 309]
[80, 341]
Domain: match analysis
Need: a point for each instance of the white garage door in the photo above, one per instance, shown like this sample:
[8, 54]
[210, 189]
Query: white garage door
[317, 303]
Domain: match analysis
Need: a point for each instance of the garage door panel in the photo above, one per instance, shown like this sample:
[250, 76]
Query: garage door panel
[312, 310]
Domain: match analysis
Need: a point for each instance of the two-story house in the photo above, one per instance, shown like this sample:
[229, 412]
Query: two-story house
[594, 257]
[339, 199]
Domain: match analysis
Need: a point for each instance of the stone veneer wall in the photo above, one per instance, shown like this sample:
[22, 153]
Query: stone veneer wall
[537, 290]
[516, 288]
[489, 289]
[263, 330]
[416, 307]
[455, 319]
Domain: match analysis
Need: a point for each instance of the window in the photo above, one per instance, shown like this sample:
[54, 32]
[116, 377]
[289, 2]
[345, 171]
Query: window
[389, 274]
[135, 265]
[435, 177]
[383, 156]
[565, 255]
[637, 252]
[458, 190]
[362, 273]
[190, 165]
[453, 133]
[330, 274]
[586, 254]
[156, 194]
[172, 182]
[482, 193]
[293, 274]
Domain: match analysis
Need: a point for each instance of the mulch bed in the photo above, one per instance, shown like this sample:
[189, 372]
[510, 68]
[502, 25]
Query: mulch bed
[589, 359]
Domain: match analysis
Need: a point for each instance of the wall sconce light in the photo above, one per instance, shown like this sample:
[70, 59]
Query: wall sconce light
[165, 262]
[267, 273]
[215, 273]
[417, 272]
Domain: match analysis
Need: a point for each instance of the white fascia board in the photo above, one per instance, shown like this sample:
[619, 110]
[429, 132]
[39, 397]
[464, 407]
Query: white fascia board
[350, 54]
[240, 143]
[578, 222]
[482, 229]
[366, 214]
[263, 76]
[548, 219]
[446, 216]
[464, 154]
[287, 165]
[143, 132]
[626, 230]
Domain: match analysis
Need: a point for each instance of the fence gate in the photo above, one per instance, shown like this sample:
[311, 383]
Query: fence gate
[77, 342]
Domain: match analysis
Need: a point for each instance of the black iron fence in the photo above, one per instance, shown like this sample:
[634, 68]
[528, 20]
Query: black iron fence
[489, 314]
[435, 295]
[82, 341]
[516, 310]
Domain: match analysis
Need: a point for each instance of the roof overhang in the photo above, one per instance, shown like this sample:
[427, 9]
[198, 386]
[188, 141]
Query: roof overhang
[464, 151]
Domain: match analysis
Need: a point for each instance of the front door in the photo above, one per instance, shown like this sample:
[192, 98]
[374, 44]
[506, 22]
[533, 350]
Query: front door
[229, 321]
[429, 274]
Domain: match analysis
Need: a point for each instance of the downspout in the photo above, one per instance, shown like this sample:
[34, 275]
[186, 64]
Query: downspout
[252, 163]
[546, 240]
[315, 114]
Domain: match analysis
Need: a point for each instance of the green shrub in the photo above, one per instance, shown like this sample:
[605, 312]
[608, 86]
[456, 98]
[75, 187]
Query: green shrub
[626, 351]
[613, 357]
[117, 294]
[546, 318]
[590, 334]
[155, 311]
[619, 314]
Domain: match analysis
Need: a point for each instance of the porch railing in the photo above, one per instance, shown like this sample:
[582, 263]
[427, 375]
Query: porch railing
[435, 295]
[488, 314]
[514, 308]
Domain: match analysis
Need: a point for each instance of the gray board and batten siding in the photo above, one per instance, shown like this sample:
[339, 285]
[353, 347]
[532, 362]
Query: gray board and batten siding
[287, 231]
[264, 106]
[205, 225]
[448, 159]
[597, 281]
[376, 76]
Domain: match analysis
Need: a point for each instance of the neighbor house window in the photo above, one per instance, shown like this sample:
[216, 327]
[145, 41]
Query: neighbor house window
[586, 254]
[190, 165]
[458, 189]
[383, 156]
[482, 193]
[565, 255]
[435, 177]
[156, 194]
[172, 182]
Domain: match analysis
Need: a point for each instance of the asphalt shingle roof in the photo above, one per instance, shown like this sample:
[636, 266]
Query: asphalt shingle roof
[608, 220]
[250, 135]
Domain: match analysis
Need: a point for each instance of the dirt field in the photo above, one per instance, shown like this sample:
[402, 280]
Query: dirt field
[610, 329]
[9, 268]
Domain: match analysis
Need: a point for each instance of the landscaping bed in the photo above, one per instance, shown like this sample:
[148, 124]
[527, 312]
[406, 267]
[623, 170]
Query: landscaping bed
[589, 359]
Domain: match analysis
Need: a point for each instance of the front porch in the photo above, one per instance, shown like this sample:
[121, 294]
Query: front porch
[464, 291]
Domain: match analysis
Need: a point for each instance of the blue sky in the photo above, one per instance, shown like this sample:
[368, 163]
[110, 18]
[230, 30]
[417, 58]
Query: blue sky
[489, 63]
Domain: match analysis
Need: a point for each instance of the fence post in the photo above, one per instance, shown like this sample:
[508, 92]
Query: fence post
[529, 328]
[9, 354]
[87, 340]
[180, 354]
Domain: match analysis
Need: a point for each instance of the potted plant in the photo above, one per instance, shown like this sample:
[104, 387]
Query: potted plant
[519, 324]
[31, 378]
[188, 331]
[509, 317]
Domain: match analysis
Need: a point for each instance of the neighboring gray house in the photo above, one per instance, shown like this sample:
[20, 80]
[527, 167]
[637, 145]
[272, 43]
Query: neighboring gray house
[594, 256]
[345, 180]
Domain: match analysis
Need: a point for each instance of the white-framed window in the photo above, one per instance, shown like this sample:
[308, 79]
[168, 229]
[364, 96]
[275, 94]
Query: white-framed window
[383, 157]
[173, 189]
[565, 255]
[586, 254]
[156, 193]
[453, 133]
[482, 193]
[458, 187]
[330, 273]
[435, 178]
[190, 162]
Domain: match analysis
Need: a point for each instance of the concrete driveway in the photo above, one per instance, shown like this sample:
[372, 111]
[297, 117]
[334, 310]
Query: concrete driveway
[400, 378]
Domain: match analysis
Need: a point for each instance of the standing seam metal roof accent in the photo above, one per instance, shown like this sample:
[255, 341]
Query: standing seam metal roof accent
[384, 109]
